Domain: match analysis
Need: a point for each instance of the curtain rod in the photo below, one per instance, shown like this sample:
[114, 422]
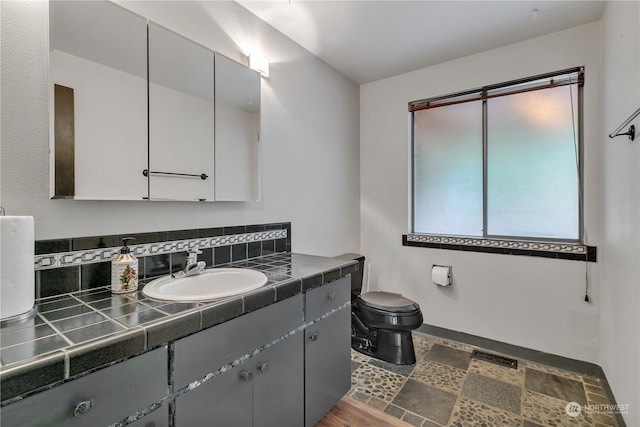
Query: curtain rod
[631, 133]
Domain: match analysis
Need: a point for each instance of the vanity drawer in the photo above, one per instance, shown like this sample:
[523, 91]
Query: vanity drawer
[206, 351]
[327, 297]
[98, 399]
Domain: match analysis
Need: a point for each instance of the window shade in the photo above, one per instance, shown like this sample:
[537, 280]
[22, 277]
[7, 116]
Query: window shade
[546, 81]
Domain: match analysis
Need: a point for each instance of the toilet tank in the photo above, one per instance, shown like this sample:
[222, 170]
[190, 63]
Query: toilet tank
[356, 277]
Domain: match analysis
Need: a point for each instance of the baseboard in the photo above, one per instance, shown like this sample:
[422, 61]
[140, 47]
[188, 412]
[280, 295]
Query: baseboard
[567, 364]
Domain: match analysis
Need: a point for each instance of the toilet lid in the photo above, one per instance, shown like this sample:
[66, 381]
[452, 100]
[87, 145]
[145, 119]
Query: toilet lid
[389, 301]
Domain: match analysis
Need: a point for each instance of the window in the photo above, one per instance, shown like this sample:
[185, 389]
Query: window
[503, 161]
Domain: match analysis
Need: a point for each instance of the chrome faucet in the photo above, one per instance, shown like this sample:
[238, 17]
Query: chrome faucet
[193, 266]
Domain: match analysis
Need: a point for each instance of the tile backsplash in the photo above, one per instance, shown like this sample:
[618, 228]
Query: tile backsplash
[68, 265]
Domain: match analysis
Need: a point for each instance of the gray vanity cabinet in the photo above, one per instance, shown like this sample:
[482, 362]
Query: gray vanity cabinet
[278, 382]
[157, 418]
[327, 349]
[264, 390]
[283, 365]
[102, 398]
[224, 400]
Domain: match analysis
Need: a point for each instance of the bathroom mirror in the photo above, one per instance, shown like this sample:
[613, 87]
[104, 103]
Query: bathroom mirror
[98, 101]
[181, 117]
[137, 112]
[237, 153]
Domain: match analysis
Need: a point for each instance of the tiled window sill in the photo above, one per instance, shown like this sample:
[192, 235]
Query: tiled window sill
[567, 251]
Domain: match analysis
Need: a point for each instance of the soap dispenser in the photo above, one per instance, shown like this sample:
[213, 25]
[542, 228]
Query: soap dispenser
[124, 270]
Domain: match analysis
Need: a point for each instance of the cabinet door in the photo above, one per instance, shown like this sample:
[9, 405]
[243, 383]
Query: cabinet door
[237, 131]
[327, 364]
[222, 401]
[278, 384]
[158, 418]
[98, 101]
[206, 351]
[102, 398]
[322, 300]
[181, 117]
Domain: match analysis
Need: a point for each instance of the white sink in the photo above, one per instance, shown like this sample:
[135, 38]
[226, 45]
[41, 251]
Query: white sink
[209, 285]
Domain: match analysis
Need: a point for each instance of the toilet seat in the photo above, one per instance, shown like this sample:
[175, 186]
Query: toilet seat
[387, 310]
[387, 302]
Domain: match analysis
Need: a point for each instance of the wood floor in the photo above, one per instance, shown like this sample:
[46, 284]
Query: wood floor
[352, 413]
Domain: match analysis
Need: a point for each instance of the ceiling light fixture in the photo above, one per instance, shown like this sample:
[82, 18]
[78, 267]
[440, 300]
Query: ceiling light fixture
[259, 63]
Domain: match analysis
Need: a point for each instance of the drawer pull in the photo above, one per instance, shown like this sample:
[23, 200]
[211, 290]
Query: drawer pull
[314, 336]
[246, 376]
[264, 367]
[83, 408]
[332, 295]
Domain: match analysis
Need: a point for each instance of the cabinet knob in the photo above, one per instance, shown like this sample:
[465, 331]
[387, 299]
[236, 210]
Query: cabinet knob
[83, 408]
[332, 295]
[246, 376]
[264, 367]
[314, 336]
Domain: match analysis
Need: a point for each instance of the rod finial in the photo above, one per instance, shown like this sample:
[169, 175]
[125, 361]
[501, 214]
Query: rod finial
[631, 133]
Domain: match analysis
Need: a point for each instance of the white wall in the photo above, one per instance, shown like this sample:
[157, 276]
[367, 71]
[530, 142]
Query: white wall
[531, 302]
[620, 246]
[309, 135]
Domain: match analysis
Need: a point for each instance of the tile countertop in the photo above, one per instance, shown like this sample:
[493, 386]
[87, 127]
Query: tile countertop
[76, 333]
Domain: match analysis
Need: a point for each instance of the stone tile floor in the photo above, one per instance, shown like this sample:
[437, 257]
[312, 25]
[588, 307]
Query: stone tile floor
[447, 387]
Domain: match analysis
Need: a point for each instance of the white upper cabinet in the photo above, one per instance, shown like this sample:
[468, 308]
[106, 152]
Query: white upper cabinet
[98, 101]
[181, 118]
[139, 112]
[237, 131]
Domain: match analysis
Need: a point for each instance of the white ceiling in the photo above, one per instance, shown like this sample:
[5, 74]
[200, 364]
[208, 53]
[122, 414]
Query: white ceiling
[370, 40]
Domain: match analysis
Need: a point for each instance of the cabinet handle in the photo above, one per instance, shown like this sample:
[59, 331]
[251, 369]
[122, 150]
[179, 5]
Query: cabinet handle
[314, 336]
[332, 295]
[264, 367]
[246, 376]
[83, 408]
[202, 176]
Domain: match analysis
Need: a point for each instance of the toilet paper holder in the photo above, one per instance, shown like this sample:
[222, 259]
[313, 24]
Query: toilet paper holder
[441, 274]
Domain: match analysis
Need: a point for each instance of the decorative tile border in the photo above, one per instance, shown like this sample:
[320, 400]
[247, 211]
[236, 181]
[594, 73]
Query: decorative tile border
[92, 256]
[506, 247]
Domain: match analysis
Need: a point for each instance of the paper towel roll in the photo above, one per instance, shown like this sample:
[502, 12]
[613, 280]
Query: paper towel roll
[17, 279]
[441, 275]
